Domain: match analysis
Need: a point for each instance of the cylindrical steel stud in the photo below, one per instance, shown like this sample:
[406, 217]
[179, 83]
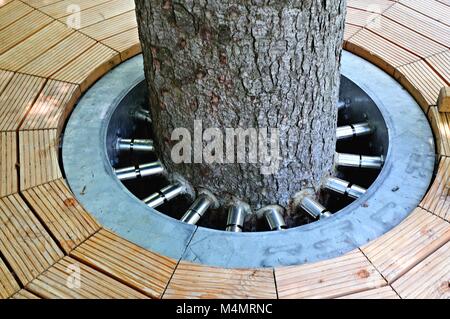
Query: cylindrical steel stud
[274, 216]
[343, 187]
[198, 208]
[354, 130]
[141, 171]
[360, 161]
[236, 217]
[342, 105]
[143, 115]
[135, 145]
[164, 195]
[314, 208]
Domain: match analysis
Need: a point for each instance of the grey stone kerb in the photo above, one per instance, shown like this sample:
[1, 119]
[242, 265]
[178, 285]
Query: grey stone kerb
[409, 166]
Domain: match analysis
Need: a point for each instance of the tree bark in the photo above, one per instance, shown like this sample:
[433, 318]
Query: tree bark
[246, 64]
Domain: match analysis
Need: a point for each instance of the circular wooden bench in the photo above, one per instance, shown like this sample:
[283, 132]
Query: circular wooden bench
[50, 247]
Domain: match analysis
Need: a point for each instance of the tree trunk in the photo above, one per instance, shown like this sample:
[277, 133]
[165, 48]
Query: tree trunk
[246, 64]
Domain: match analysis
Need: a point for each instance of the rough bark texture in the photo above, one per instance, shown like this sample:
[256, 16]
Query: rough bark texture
[247, 63]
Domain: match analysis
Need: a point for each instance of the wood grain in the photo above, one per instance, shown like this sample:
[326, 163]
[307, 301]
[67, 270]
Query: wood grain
[351, 273]
[64, 217]
[143, 270]
[70, 279]
[408, 244]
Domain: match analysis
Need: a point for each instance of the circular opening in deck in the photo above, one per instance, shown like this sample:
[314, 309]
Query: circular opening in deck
[112, 110]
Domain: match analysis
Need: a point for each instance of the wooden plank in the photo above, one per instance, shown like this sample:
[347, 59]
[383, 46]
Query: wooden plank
[59, 9]
[8, 285]
[408, 244]
[434, 9]
[52, 106]
[193, 281]
[22, 29]
[360, 18]
[406, 38]
[89, 66]
[381, 293]
[127, 43]
[421, 81]
[111, 27]
[441, 63]
[24, 242]
[350, 31]
[419, 23]
[104, 11]
[70, 279]
[17, 99]
[59, 56]
[437, 199]
[348, 274]
[441, 127]
[64, 217]
[428, 280]
[5, 77]
[376, 6]
[141, 269]
[38, 158]
[379, 51]
[444, 100]
[25, 295]
[36, 45]
[41, 3]
[13, 11]
[8, 163]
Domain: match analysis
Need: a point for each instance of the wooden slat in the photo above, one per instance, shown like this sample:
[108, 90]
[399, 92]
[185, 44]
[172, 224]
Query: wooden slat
[13, 11]
[350, 31]
[111, 27]
[59, 9]
[192, 281]
[379, 51]
[433, 9]
[64, 217]
[5, 77]
[36, 45]
[22, 29]
[127, 43]
[24, 242]
[17, 99]
[419, 23]
[440, 122]
[41, 3]
[332, 278]
[406, 38]
[59, 56]
[24, 295]
[89, 66]
[437, 199]
[406, 245]
[8, 162]
[441, 63]
[376, 6]
[360, 17]
[8, 285]
[52, 106]
[105, 11]
[60, 282]
[141, 269]
[422, 82]
[38, 157]
[380, 293]
[428, 280]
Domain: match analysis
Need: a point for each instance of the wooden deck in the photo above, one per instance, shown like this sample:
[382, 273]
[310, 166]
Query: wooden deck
[48, 241]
